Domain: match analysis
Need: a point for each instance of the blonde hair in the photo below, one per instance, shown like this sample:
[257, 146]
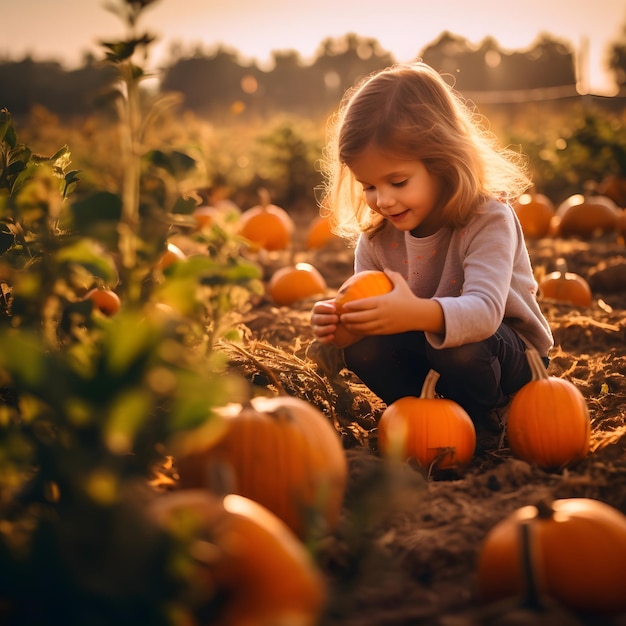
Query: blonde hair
[409, 111]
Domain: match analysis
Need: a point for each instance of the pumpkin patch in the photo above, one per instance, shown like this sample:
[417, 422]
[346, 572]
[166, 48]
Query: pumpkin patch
[136, 484]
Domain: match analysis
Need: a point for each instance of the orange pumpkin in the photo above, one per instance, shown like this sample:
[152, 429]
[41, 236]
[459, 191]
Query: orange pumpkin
[172, 254]
[319, 233]
[205, 216]
[435, 431]
[104, 300]
[566, 287]
[360, 285]
[548, 422]
[245, 563]
[587, 217]
[267, 226]
[621, 223]
[220, 213]
[280, 451]
[577, 555]
[363, 285]
[614, 187]
[535, 212]
[291, 284]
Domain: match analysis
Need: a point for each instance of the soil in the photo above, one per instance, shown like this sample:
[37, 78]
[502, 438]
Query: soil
[406, 549]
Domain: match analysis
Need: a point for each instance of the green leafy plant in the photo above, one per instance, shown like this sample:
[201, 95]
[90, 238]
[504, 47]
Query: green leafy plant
[89, 402]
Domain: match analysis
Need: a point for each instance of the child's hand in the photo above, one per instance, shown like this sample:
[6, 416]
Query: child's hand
[395, 312]
[324, 320]
[326, 326]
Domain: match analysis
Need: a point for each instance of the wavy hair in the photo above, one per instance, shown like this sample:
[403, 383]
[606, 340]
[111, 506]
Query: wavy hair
[410, 112]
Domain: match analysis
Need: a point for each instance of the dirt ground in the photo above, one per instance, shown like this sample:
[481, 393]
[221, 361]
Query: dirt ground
[406, 548]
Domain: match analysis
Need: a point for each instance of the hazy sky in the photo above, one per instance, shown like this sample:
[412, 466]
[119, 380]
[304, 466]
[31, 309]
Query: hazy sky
[64, 30]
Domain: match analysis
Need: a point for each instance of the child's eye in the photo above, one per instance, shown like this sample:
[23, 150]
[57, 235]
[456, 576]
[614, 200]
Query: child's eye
[400, 183]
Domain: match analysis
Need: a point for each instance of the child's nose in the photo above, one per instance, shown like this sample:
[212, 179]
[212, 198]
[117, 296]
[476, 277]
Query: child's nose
[385, 199]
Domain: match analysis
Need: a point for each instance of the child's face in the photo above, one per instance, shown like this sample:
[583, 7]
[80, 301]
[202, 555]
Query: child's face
[402, 191]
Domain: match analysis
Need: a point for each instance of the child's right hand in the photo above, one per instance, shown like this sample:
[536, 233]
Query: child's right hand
[324, 320]
[326, 326]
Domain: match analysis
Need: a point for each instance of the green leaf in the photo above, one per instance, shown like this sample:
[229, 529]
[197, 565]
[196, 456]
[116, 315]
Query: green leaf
[128, 413]
[129, 339]
[184, 205]
[7, 238]
[99, 207]
[90, 255]
[7, 132]
[173, 162]
[21, 355]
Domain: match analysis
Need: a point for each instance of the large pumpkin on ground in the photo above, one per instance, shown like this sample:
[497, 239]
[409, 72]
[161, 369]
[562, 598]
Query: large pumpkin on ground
[247, 566]
[436, 432]
[587, 217]
[572, 550]
[280, 451]
[548, 422]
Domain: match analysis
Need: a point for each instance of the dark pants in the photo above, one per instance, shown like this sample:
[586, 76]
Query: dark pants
[479, 376]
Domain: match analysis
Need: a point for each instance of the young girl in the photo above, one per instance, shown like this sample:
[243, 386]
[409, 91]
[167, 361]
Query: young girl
[426, 192]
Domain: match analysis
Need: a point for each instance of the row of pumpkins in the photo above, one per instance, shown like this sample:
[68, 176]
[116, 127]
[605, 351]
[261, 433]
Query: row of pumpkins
[269, 228]
[272, 479]
[585, 216]
[580, 216]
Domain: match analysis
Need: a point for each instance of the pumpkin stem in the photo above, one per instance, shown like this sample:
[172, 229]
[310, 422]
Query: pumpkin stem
[544, 508]
[537, 366]
[561, 266]
[428, 388]
[264, 197]
[531, 595]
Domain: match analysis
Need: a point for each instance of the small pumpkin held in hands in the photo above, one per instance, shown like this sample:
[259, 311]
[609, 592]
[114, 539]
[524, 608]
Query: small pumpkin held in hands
[548, 423]
[280, 451]
[577, 556]
[437, 432]
[363, 284]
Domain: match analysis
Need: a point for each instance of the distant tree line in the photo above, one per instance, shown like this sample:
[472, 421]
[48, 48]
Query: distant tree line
[210, 83]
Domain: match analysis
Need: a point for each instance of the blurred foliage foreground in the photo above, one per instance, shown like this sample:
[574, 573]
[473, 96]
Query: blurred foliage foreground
[89, 401]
